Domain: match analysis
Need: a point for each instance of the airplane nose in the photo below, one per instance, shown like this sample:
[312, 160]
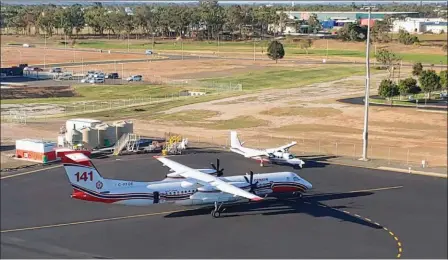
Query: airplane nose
[308, 185]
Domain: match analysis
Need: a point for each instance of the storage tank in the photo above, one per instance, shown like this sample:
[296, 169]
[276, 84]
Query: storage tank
[75, 136]
[119, 129]
[90, 137]
[128, 127]
[102, 130]
[79, 123]
[111, 136]
[86, 135]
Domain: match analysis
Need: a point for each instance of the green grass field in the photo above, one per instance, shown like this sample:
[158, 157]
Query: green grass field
[287, 78]
[154, 111]
[105, 92]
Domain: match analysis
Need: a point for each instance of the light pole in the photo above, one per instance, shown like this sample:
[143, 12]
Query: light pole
[20, 56]
[365, 135]
[254, 48]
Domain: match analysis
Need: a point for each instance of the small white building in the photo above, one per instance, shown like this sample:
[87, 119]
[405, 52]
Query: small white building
[35, 150]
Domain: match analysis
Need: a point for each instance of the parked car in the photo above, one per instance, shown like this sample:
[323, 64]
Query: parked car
[148, 52]
[135, 78]
[112, 76]
[66, 76]
[56, 70]
[99, 75]
[33, 69]
[96, 80]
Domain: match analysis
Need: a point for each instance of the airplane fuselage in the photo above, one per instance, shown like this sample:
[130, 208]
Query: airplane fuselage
[181, 191]
[277, 157]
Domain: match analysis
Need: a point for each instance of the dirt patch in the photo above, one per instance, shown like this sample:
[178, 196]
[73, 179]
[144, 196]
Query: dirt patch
[302, 111]
[237, 123]
[236, 101]
[187, 116]
[292, 129]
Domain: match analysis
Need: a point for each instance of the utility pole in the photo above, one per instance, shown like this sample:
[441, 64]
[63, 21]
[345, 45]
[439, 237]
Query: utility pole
[365, 135]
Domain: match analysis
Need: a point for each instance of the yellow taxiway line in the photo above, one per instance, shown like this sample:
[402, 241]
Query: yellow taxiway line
[377, 189]
[24, 173]
[89, 221]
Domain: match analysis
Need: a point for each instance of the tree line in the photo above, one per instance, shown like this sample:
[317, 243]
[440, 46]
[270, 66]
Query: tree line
[207, 20]
[426, 81]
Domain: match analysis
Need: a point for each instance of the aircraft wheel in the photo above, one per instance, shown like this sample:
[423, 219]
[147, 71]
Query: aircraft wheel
[216, 214]
[300, 195]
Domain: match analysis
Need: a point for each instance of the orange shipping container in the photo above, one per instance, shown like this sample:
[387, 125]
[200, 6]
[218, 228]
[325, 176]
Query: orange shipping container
[366, 22]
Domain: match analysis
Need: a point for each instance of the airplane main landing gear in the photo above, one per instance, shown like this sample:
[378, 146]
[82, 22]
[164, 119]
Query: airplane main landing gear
[298, 194]
[216, 212]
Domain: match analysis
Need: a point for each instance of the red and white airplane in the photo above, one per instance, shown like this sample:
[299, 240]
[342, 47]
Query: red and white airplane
[183, 185]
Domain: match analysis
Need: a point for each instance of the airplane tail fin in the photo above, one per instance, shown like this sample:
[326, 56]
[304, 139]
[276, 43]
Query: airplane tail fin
[234, 141]
[82, 174]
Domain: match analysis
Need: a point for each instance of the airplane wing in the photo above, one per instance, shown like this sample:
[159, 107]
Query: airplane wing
[206, 179]
[282, 148]
[255, 154]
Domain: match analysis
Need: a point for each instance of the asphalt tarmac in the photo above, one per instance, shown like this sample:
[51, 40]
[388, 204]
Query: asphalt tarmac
[351, 213]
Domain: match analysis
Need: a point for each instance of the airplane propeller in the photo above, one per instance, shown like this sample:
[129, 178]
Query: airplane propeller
[251, 182]
[219, 172]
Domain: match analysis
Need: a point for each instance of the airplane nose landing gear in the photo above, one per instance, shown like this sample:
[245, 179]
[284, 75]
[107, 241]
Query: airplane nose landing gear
[216, 212]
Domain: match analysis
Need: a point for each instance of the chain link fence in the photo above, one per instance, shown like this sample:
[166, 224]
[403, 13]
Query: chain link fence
[412, 157]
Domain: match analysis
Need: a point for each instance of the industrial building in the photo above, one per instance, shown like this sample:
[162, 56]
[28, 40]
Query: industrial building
[353, 16]
[421, 25]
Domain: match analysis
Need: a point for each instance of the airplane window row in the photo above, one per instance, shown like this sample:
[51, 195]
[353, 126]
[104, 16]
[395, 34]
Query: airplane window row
[181, 192]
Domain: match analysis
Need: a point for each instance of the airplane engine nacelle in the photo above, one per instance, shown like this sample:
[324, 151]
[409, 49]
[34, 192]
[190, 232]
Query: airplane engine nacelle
[188, 184]
[207, 188]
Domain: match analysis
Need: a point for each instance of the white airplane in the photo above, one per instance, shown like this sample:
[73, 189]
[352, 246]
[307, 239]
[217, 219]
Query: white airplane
[279, 155]
[183, 186]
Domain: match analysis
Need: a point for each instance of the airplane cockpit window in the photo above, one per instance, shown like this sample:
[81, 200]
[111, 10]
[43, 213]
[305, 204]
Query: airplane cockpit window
[296, 179]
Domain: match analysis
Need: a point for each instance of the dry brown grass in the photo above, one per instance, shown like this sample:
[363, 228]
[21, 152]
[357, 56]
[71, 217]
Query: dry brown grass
[315, 128]
[12, 56]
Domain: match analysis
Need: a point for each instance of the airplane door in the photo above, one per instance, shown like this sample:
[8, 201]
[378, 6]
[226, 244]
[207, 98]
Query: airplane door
[156, 195]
